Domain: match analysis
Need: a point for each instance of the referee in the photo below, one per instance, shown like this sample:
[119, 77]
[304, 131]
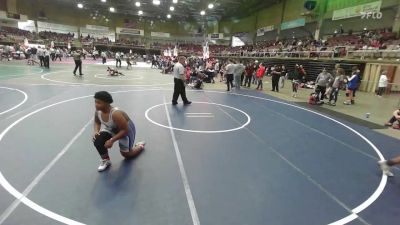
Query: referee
[78, 62]
[179, 85]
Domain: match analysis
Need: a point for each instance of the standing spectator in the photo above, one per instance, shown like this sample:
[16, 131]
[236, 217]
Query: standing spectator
[118, 59]
[40, 53]
[34, 54]
[260, 74]
[321, 83]
[337, 83]
[303, 74]
[78, 62]
[276, 74]
[359, 78]
[295, 78]
[249, 73]
[58, 54]
[52, 54]
[282, 77]
[229, 70]
[179, 85]
[329, 86]
[128, 62]
[383, 83]
[238, 72]
[104, 57]
[255, 68]
[217, 67]
[352, 83]
[47, 58]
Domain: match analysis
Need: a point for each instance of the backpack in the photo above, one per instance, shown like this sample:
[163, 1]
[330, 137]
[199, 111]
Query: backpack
[312, 99]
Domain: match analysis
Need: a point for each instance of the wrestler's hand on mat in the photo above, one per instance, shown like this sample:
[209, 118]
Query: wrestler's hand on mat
[108, 144]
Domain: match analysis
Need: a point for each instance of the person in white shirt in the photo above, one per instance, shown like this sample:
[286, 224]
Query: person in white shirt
[383, 83]
[118, 59]
[229, 70]
[53, 54]
[179, 85]
[40, 54]
[58, 55]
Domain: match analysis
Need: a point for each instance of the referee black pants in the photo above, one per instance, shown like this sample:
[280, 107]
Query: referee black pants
[179, 89]
[78, 64]
[229, 81]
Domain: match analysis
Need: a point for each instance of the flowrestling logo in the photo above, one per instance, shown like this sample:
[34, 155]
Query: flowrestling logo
[371, 15]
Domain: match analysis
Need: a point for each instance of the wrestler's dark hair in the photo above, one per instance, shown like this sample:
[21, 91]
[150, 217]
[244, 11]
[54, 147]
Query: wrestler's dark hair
[104, 96]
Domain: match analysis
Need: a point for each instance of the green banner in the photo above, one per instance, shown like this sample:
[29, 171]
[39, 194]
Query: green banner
[356, 10]
[293, 23]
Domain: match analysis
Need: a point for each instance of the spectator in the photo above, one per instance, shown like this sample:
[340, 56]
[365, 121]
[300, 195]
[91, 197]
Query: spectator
[321, 83]
[47, 58]
[352, 83]
[260, 74]
[295, 78]
[238, 72]
[104, 57]
[229, 70]
[337, 83]
[276, 74]
[383, 83]
[248, 73]
[395, 118]
[118, 59]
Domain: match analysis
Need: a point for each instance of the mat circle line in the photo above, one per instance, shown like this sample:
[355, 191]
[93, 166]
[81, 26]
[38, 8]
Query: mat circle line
[17, 105]
[199, 131]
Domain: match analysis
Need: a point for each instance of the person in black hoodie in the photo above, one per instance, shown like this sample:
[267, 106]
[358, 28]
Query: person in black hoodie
[276, 74]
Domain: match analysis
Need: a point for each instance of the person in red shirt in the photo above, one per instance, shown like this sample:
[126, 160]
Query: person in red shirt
[260, 74]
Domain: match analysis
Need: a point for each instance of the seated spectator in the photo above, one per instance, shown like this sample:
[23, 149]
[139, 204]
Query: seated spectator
[395, 118]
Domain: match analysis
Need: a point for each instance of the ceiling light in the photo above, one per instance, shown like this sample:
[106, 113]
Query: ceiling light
[169, 16]
[137, 4]
[112, 9]
[156, 2]
[80, 5]
[140, 12]
[203, 12]
[103, 0]
[210, 6]
[174, 1]
[171, 8]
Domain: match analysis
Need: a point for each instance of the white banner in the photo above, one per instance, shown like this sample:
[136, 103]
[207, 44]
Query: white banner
[356, 10]
[28, 25]
[129, 31]
[59, 28]
[95, 27]
[160, 34]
